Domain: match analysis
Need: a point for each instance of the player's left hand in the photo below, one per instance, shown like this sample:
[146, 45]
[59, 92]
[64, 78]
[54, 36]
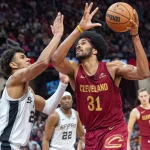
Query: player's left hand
[63, 78]
[135, 24]
[58, 26]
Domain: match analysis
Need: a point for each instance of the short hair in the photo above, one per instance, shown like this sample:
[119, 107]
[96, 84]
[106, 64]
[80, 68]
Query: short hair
[97, 41]
[141, 90]
[6, 58]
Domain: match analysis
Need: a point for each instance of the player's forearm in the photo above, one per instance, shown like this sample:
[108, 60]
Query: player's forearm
[141, 59]
[129, 133]
[64, 47]
[45, 144]
[52, 103]
[50, 49]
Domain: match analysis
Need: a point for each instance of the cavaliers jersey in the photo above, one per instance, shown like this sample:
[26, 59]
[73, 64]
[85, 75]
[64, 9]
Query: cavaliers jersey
[98, 99]
[16, 120]
[144, 121]
[64, 135]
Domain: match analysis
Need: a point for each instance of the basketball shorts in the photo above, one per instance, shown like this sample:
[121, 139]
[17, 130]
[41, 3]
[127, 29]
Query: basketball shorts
[145, 143]
[111, 138]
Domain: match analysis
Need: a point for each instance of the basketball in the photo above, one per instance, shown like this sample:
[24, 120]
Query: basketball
[118, 16]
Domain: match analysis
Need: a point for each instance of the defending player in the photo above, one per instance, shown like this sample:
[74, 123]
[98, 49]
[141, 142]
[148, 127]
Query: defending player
[18, 102]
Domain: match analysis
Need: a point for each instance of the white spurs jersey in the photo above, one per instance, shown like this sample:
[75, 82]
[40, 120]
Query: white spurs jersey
[64, 135]
[16, 120]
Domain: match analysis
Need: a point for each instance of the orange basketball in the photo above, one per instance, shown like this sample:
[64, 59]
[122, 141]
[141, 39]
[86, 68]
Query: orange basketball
[118, 16]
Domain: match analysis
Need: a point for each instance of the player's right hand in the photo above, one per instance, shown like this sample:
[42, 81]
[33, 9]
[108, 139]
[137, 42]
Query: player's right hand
[58, 26]
[63, 78]
[85, 22]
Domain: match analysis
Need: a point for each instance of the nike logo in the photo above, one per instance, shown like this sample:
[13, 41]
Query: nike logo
[110, 128]
[82, 77]
[148, 141]
[142, 112]
[64, 119]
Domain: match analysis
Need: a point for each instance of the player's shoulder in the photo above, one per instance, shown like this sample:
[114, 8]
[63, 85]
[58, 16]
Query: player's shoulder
[116, 63]
[15, 77]
[74, 63]
[134, 111]
[53, 118]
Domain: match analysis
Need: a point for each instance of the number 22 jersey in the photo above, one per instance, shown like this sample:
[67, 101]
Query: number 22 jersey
[98, 99]
[64, 135]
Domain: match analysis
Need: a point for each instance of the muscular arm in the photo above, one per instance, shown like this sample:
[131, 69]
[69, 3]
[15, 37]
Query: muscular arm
[130, 72]
[51, 122]
[132, 120]
[141, 70]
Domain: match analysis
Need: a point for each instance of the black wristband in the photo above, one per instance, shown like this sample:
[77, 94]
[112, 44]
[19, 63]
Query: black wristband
[134, 35]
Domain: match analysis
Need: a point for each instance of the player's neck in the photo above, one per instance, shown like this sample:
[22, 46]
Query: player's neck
[67, 112]
[145, 106]
[90, 65]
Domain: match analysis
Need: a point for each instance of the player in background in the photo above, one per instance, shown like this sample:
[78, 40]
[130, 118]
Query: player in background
[62, 126]
[96, 83]
[141, 115]
[18, 101]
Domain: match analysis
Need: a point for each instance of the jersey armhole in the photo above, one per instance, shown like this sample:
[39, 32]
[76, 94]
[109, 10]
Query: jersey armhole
[59, 120]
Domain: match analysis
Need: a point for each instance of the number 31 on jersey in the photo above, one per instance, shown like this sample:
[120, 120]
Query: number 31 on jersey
[94, 103]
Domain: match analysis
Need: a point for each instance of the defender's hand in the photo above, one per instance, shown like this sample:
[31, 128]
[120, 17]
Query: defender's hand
[63, 78]
[58, 26]
[135, 24]
[85, 22]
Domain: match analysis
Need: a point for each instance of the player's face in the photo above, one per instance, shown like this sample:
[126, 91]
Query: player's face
[144, 97]
[83, 49]
[66, 102]
[21, 61]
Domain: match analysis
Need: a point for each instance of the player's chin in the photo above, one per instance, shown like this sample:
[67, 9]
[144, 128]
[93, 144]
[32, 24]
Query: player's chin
[68, 107]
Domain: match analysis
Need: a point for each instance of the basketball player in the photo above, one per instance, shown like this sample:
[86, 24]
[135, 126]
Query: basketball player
[62, 126]
[141, 115]
[96, 83]
[18, 101]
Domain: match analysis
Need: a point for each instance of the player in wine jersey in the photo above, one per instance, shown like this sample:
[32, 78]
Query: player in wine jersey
[62, 127]
[96, 83]
[18, 101]
[141, 115]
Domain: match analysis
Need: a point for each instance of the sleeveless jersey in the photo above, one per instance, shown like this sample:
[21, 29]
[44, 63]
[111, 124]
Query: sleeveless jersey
[144, 121]
[16, 120]
[98, 99]
[64, 135]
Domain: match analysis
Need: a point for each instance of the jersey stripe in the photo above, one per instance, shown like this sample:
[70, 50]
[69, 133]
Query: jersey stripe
[4, 138]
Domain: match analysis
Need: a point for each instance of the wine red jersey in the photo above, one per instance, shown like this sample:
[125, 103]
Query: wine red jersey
[98, 99]
[144, 121]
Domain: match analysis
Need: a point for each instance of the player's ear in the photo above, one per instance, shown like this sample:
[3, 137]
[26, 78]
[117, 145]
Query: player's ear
[94, 51]
[13, 65]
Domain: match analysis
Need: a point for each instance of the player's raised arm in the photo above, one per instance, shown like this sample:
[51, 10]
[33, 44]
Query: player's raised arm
[31, 71]
[58, 59]
[141, 71]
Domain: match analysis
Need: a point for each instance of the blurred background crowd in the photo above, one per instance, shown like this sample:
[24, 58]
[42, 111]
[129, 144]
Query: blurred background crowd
[27, 23]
